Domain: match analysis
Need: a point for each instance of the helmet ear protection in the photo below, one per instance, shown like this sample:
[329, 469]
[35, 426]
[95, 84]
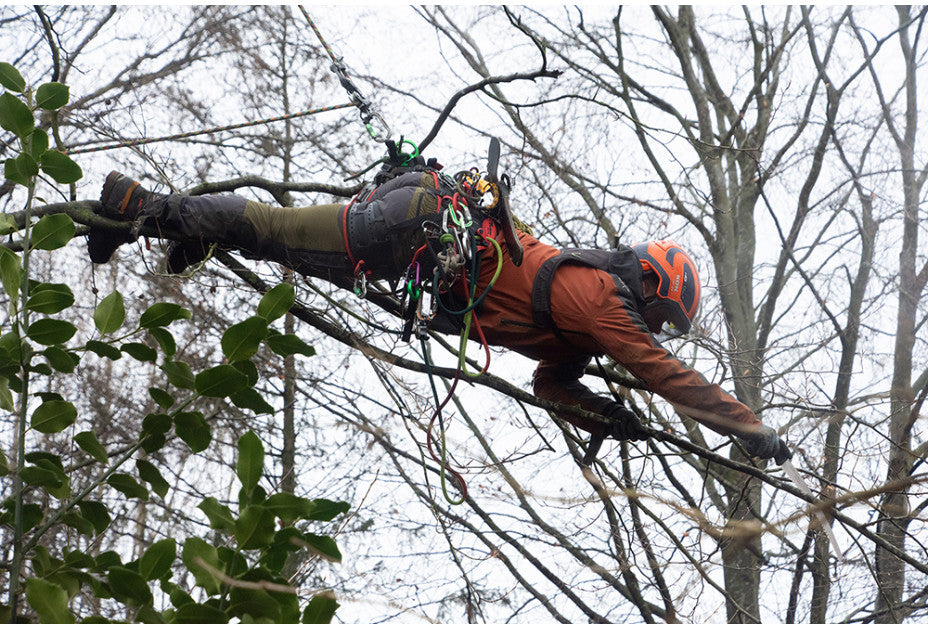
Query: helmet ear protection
[674, 306]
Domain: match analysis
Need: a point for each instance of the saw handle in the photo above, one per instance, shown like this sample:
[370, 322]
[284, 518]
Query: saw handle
[592, 449]
[783, 452]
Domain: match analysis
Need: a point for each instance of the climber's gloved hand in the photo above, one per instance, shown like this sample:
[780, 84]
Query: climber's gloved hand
[764, 443]
[624, 424]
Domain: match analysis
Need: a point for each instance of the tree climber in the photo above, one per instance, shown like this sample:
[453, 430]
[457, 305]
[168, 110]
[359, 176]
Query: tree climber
[560, 307]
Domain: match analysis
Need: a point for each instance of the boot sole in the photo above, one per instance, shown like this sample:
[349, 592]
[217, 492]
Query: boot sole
[110, 185]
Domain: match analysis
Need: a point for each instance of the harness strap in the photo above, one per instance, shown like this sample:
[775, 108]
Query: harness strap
[622, 262]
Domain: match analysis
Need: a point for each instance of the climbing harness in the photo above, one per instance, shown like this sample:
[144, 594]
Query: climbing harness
[441, 279]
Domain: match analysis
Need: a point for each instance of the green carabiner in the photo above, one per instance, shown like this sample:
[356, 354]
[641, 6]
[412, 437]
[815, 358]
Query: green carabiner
[415, 151]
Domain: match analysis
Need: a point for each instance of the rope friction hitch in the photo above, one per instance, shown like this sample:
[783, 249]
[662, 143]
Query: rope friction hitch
[368, 114]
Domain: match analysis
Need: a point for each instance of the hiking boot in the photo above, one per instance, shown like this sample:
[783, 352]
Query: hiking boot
[182, 255]
[122, 199]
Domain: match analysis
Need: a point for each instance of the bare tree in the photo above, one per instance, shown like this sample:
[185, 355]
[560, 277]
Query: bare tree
[776, 143]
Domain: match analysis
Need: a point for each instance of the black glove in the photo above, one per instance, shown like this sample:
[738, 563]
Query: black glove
[624, 424]
[764, 443]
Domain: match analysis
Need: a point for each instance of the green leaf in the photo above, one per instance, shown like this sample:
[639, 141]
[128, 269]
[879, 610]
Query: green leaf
[12, 172]
[49, 601]
[79, 560]
[43, 563]
[89, 443]
[326, 510]
[7, 224]
[32, 515]
[49, 298]
[289, 507]
[60, 167]
[254, 496]
[110, 313]
[54, 460]
[11, 350]
[200, 614]
[323, 546]
[4, 465]
[15, 116]
[220, 381]
[156, 423]
[108, 559]
[26, 166]
[152, 442]
[6, 397]
[179, 374]
[241, 341]
[47, 473]
[289, 344]
[51, 96]
[104, 350]
[74, 520]
[156, 562]
[161, 314]
[41, 369]
[52, 231]
[276, 302]
[96, 513]
[254, 529]
[250, 464]
[178, 596]
[140, 351]
[193, 429]
[234, 562]
[165, 340]
[149, 473]
[50, 331]
[321, 609]
[254, 605]
[219, 515]
[53, 416]
[36, 143]
[163, 399]
[11, 272]
[251, 399]
[249, 369]
[148, 615]
[126, 484]
[11, 79]
[42, 475]
[274, 557]
[195, 551]
[129, 586]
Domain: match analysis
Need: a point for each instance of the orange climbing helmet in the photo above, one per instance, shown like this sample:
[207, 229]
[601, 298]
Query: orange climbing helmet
[677, 297]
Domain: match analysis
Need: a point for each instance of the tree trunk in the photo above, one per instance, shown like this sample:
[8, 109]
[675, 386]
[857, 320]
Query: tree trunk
[894, 506]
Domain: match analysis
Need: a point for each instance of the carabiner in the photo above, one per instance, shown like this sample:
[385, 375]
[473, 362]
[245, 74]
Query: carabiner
[373, 132]
[360, 280]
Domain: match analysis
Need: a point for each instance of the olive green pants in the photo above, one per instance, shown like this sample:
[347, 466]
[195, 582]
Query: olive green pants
[379, 231]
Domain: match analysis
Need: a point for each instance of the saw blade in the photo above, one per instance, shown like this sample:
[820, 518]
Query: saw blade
[793, 474]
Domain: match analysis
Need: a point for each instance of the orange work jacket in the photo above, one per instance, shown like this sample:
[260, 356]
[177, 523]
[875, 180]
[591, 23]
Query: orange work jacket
[593, 313]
